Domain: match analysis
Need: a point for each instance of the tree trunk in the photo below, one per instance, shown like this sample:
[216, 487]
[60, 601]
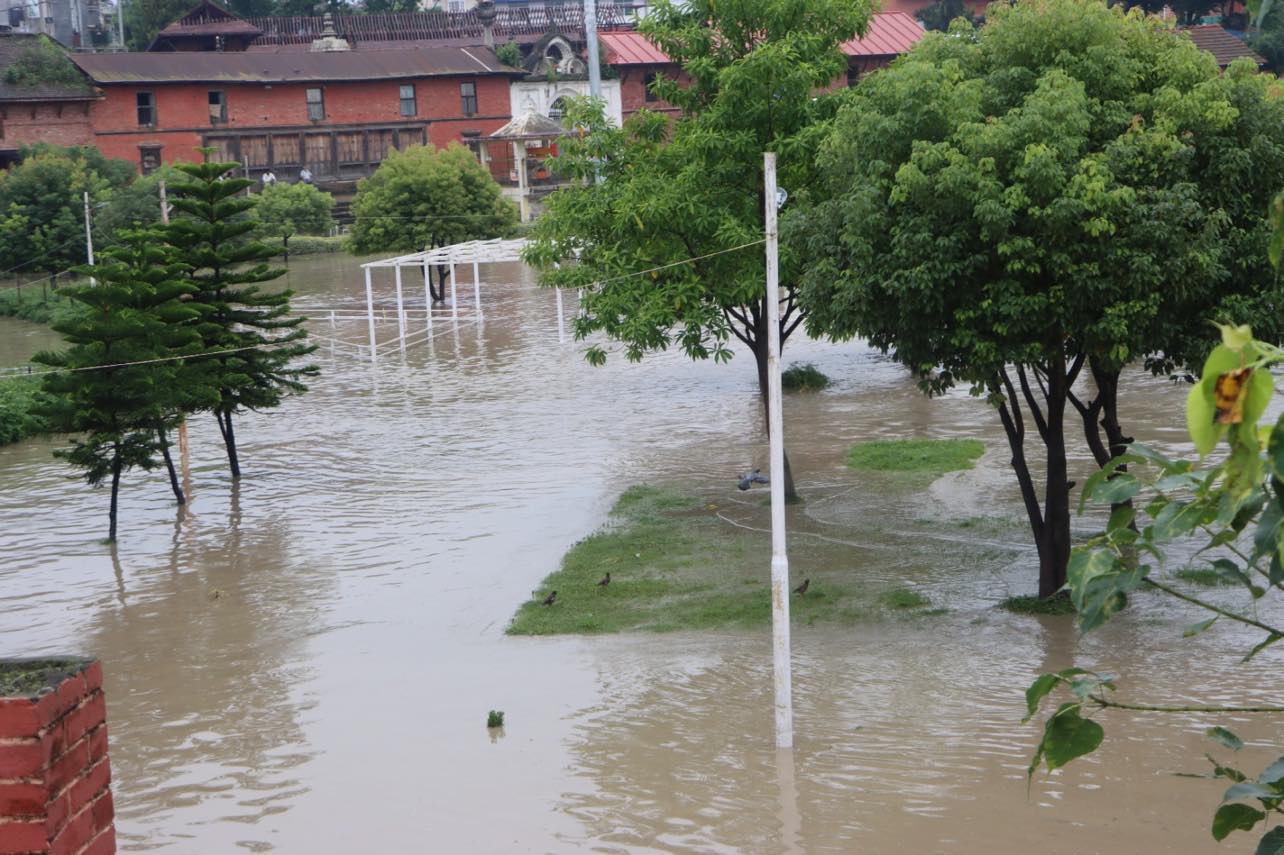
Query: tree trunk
[760, 357]
[115, 491]
[229, 440]
[162, 435]
[1101, 416]
[1056, 507]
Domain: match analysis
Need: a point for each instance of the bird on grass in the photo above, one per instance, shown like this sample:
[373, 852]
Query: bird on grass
[605, 580]
[802, 589]
[750, 478]
[550, 599]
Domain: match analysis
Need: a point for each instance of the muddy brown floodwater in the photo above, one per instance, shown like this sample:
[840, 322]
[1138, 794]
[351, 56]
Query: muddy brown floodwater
[303, 663]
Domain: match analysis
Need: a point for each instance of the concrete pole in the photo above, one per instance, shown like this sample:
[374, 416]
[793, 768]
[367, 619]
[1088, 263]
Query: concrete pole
[401, 310]
[164, 203]
[454, 295]
[89, 237]
[561, 322]
[120, 21]
[590, 36]
[477, 289]
[182, 422]
[523, 205]
[370, 314]
[428, 298]
[782, 670]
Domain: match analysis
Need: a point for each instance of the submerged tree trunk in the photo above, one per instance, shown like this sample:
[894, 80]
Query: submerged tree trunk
[1049, 521]
[163, 437]
[229, 440]
[115, 491]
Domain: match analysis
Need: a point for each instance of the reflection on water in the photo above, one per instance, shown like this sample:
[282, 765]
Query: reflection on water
[304, 663]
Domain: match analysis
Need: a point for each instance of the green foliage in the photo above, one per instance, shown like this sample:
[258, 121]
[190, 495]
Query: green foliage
[285, 209]
[903, 599]
[135, 205]
[1058, 604]
[309, 244]
[674, 566]
[256, 341]
[803, 377]
[1204, 577]
[42, 213]
[42, 61]
[27, 678]
[145, 18]
[118, 387]
[938, 15]
[934, 456]
[29, 305]
[18, 418]
[1235, 507]
[670, 193]
[495, 718]
[425, 197]
[510, 53]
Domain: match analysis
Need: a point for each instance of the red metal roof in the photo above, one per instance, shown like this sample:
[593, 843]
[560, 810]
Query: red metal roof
[1224, 46]
[624, 48]
[890, 34]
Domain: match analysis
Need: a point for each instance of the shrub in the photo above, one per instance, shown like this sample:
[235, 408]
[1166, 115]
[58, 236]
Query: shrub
[803, 377]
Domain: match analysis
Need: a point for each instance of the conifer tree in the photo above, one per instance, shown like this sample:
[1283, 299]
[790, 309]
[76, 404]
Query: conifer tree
[252, 341]
[119, 385]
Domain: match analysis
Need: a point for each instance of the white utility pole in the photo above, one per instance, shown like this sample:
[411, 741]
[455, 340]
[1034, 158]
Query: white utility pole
[89, 236]
[590, 35]
[120, 21]
[782, 666]
[182, 422]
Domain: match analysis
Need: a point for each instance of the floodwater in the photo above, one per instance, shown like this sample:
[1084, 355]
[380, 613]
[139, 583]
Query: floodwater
[303, 663]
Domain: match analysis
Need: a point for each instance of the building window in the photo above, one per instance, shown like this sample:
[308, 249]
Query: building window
[149, 158]
[146, 109]
[468, 98]
[408, 100]
[218, 107]
[647, 82]
[853, 75]
[455, 6]
[316, 105]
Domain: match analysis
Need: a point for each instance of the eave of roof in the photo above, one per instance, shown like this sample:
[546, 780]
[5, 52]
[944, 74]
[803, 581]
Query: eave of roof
[1224, 46]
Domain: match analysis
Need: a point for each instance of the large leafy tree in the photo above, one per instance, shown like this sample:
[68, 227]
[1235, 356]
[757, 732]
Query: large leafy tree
[694, 190]
[426, 197]
[119, 385]
[252, 342]
[1062, 190]
[42, 224]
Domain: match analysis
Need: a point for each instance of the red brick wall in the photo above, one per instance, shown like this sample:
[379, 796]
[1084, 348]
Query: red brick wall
[60, 123]
[182, 111]
[55, 779]
[633, 88]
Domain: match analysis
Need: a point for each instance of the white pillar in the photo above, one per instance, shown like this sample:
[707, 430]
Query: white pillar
[370, 314]
[782, 670]
[561, 323]
[477, 289]
[428, 296]
[401, 309]
[454, 294]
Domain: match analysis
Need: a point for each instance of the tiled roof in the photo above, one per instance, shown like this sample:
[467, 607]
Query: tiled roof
[290, 66]
[890, 34]
[12, 47]
[209, 19]
[1224, 46]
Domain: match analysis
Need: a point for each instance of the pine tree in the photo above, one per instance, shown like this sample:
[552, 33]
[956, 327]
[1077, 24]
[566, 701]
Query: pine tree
[119, 385]
[253, 341]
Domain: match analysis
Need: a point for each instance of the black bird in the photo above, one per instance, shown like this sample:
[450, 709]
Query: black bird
[550, 599]
[802, 589]
[606, 580]
[750, 478]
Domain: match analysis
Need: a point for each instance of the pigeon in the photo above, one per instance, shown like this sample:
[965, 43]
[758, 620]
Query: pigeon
[750, 478]
[550, 599]
[606, 580]
[802, 589]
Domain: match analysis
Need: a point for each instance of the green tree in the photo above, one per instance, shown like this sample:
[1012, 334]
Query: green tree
[694, 190]
[135, 205]
[939, 15]
[284, 210]
[252, 343]
[1069, 187]
[145, 18]
[42, 225]
[118, 385]
[1187, 11]
[425, 197]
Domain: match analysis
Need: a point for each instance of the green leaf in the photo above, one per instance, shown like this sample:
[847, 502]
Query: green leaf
[1236, 337]
[1273, 773]
[1118, 489]
[1275, 448]
[1235, 817]
[1250, 790]
[1120, 518]
[1200, 421]
[1272, 842]
[1038, 690]
[1224, 737]
[1177, 518]
[1196, 628]
[1258, 397]
[1068, 735]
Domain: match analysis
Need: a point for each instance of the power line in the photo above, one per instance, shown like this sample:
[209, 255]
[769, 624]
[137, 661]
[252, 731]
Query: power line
[158, 359]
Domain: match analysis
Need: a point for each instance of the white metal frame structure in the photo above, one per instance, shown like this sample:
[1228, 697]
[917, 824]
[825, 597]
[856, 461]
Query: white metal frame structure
[476, 253]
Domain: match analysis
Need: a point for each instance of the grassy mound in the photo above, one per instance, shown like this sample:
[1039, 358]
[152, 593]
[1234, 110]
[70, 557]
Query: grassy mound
[673, 566]
[932, 456]
[803, 377]
[1057, 604]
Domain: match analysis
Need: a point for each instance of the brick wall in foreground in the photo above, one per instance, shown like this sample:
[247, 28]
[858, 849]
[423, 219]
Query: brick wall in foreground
[55, 793]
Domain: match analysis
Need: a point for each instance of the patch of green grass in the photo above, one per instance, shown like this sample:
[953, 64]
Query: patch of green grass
[935, 456]
[24, 678]
[673, 566]
[1203, 577]
[803, 377]
[903, 599]
[17, 402]
[1057, 604]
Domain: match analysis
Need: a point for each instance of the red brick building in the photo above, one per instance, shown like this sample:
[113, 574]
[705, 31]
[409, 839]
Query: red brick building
[336, 113]
[34, 111]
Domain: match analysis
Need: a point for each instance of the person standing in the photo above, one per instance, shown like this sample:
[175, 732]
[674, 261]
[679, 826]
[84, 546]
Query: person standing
[305, 175]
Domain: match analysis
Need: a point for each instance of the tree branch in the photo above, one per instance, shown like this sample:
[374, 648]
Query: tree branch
[1035, 413]
[1212, 608]
[1104, 702]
